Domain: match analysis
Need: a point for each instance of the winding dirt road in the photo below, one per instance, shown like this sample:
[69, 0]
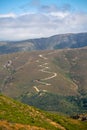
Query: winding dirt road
[44, 68]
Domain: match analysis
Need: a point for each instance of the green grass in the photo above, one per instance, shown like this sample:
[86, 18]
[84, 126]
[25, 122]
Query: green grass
[68, 123]
[16, 112]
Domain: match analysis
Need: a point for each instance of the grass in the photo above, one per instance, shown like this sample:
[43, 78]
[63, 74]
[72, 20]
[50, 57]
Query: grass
[14, 114]
[68, 123]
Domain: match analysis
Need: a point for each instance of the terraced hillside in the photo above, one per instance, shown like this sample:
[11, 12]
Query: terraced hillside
[49, 80]
[18, 116]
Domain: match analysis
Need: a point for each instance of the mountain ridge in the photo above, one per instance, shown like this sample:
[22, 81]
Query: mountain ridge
[59, 41]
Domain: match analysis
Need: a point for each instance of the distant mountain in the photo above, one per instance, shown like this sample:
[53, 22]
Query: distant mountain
[54, 42]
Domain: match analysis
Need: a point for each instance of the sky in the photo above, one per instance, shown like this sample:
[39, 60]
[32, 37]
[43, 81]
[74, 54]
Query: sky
[25, 19]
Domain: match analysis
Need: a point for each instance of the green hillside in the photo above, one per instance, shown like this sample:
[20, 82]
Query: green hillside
[18, 116]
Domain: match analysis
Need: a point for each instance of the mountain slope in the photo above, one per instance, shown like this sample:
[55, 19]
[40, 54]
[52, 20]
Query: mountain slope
[49, 80]
[14, 115]
[14, 112]
[54, 42]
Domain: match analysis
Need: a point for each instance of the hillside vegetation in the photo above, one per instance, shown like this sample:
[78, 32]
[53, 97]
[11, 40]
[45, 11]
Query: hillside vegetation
[49, 80]
[18, 116]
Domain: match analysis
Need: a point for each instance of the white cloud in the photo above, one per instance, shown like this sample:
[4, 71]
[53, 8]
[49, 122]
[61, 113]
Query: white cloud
[60, 14]
[33, 25]
[7, 15]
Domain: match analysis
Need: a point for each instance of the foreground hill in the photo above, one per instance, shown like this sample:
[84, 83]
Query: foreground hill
[15, 115]
[50, 80]
[54, 42]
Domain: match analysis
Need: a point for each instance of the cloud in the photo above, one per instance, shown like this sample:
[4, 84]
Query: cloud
[7, 15]
[32, 4]
[54, 8]
[33, 25]
[36, 3]
[48, 8]
[66, 7]
[59, 14]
